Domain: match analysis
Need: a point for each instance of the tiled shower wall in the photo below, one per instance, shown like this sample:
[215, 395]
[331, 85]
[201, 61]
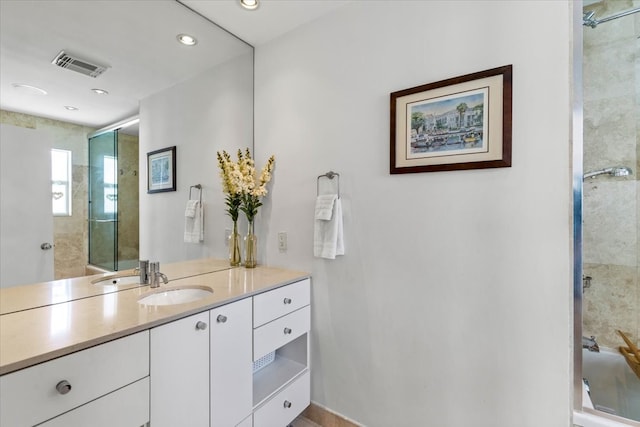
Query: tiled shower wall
[611, 220]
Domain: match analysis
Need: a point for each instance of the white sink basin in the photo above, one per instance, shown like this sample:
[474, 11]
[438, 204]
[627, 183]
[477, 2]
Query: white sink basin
[175, 296]
[115, 281]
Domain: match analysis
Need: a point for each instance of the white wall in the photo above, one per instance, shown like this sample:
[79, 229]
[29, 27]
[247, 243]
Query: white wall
[209, 113]
[452, 306]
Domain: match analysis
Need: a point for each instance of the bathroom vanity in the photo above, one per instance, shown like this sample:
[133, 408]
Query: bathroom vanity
[238, 356]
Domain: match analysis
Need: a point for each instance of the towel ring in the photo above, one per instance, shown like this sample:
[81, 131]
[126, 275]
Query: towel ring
[330, 175]
[197, 186]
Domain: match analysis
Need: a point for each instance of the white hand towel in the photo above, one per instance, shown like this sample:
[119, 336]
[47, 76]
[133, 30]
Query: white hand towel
[190, 210]
[194, 226]
[324, 206]
[328, 241]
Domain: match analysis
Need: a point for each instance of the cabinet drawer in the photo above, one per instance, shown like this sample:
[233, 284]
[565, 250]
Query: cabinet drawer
[128, 406]
[30, 396]
[274, 335]
[285, 406]
[278, 302]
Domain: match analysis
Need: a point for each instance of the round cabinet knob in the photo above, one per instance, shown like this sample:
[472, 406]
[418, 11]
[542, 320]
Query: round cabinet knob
[287, 331]
[201, 326]
[63, 387]
[287, 404]
[221, 318]
[287, 300]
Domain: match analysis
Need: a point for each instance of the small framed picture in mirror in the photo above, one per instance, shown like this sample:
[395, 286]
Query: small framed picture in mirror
[161, 170]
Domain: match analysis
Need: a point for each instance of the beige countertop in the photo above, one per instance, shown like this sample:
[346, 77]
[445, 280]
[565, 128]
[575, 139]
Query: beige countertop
[35, 335]
[26, 297]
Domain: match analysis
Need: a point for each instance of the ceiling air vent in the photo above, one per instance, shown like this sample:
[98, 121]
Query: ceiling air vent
[78, 65]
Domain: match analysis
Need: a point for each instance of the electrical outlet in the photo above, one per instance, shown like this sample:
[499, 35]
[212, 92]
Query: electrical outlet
[282, 241]
[227, 235]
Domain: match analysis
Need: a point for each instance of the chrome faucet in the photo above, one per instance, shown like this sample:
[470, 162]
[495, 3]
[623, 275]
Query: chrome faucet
[143, 270]
[590, 344]
[155, 275]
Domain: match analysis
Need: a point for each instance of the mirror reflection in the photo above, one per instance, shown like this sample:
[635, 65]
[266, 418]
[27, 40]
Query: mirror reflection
[91, 225]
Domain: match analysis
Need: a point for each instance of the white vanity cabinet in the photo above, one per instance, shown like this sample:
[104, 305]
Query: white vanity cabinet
[82, 383]
[127, 407]
[201, 368]
[231, 363]
[179, 372]
[281, 384]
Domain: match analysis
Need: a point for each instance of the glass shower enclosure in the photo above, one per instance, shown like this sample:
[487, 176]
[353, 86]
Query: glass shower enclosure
[108, 204]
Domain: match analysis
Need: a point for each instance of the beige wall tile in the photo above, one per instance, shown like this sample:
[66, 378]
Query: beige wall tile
[611, 218]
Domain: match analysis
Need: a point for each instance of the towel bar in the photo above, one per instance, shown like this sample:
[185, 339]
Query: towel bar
[330, 175]
[199, 187]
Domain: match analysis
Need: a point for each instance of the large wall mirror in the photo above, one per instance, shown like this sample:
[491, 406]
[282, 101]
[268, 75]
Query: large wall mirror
[57, 60]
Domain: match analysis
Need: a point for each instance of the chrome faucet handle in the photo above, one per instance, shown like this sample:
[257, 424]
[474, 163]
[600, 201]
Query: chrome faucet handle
[143, 271]
[153, 274]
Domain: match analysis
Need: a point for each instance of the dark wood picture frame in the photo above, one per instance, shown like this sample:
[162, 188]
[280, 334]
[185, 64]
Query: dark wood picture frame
[454, 124]
[161, 170]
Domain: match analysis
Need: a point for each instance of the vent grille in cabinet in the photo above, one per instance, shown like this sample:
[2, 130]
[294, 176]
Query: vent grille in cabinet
[264, 361]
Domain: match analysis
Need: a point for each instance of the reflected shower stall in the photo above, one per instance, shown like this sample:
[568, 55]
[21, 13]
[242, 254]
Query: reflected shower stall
[113, 200]
[610, 203]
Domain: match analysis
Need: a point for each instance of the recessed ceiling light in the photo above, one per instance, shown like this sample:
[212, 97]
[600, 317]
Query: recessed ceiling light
[249, 4]
[186, 39]
[29, 89]
[70, 108]
[100, 91]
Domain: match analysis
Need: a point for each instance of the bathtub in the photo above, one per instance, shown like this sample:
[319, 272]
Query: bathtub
[614, 388]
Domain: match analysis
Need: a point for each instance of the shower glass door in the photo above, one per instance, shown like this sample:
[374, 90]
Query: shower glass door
[103, 200]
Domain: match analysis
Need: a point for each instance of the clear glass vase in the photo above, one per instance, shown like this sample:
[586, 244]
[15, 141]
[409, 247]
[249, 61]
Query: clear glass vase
[250, 247]
[234, 246]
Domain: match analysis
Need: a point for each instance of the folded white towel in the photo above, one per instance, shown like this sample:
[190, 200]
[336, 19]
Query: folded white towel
[328, 241]
[194, 226]
[190, 210]
[324, 206]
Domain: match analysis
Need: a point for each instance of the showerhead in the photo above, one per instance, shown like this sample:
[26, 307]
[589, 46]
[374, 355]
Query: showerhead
[614, 171]
[621, 171]
[589, 20]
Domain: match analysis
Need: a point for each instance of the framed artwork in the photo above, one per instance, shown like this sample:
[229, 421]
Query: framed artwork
[161, 170]
[454, 124]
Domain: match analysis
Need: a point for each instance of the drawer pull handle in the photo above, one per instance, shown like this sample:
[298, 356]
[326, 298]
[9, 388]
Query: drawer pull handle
[287, 331]
[201, 326]
[63, 387]
[221, 318]
[287, 301]
[287, 404]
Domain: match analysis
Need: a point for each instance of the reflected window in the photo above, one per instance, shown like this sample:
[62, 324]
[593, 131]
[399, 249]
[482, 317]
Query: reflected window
[110, 164]
[61, 182]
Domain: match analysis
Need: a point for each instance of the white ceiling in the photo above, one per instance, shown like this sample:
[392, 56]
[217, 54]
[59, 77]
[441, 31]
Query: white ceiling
[136, 39]
[270, 20]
